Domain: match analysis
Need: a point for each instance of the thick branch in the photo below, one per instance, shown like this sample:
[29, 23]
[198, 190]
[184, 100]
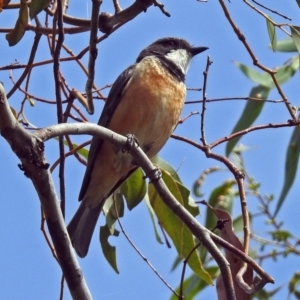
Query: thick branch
[142, 160]
[30, 151]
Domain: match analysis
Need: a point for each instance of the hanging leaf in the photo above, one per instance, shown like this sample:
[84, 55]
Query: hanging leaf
[291, 166]
[286, 45]
[108, 250]
[82, 151]
[262, 78]
[272, 33]
[134, 188]
[109, 229]
[294, 283]
[283, 73]
[153, 219]
[159, 162]
[193, 285]
[36, 6]
[251, 111]
[198, 183]
[17, 33]
[179, 233]
[295, 31]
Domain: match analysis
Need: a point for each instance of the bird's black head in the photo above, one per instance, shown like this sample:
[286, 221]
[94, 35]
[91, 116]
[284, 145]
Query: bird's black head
[174, 53]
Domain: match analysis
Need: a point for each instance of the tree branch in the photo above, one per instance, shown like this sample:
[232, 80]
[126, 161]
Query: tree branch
[142, 160]
[30, 151]
[108, 21]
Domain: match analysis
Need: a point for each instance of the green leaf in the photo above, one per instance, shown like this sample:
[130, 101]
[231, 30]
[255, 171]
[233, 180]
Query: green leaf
[82, 151]
[109, 229]
[272, 33]
[17, 33]
[109, 251]
[152, 216]
[221, 197]
[294, 282]
[36, 6]
[298, 2]
[176, 263]
[159, 162]
[199, 182]
[109, 209]
[134, 188]
[280, 235]
[190, 203]
[249, 115]
[297, 294]
[286, 45]
[266, 295]
[295, 31]
[283, 73]
[264, 79]
[175, 228]
[291, 165]
[193, 285]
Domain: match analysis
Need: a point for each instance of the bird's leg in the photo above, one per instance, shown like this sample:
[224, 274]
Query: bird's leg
[154, 175]
[131, 139]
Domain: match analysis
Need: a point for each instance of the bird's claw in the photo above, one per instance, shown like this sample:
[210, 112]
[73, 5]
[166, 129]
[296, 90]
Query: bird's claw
[157, 174]
[131, 140]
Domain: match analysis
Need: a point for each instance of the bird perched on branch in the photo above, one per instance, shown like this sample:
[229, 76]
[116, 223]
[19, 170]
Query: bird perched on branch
[146, 100]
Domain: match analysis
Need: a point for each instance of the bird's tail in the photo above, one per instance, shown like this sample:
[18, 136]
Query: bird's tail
[82, 226]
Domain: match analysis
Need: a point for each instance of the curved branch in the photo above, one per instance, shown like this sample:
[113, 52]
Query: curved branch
[36, 167]
[143, 161]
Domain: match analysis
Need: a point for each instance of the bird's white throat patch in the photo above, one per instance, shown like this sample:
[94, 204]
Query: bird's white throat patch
[181, 58]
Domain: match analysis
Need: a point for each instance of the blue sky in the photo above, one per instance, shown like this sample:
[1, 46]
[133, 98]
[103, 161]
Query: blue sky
[28, 270]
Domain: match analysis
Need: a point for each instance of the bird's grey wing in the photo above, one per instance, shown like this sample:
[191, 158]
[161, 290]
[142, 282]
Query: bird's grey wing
[110, 106]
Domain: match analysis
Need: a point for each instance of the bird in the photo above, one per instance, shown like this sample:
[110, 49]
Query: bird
[146, 100]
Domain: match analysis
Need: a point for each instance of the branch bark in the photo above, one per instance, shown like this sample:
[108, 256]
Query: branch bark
[30, 151]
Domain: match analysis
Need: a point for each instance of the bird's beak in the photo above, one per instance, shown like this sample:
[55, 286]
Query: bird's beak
[196, 50]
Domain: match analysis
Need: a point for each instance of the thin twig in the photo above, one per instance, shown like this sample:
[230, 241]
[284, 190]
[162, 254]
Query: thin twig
[28, 66]
[280, 26]
[161, 7]
[61, 292]
[192, 113]
[50, 245]
[272, 11]
[57, 81]
[185, 262]
[140, 253]
[117, 6]
[290, 123]
[205, 74]
[93, 53]
[71, 152]
[234, 98]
